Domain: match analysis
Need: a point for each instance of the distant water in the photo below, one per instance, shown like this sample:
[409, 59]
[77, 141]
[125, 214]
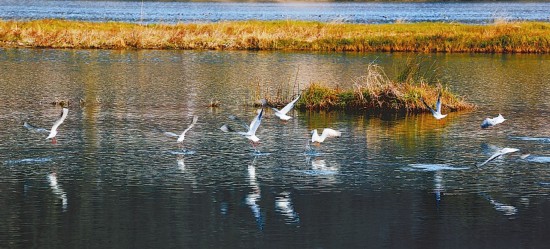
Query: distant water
[350, 12]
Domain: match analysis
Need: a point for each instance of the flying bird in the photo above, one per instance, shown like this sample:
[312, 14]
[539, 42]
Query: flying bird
[437, 112]
[251, 129]
[53, 131]
[498, 154]
[181, 137]
[282, 113]
[327, 132]
[488, 122]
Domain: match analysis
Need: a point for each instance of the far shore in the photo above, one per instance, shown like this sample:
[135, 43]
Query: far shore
[288, 35]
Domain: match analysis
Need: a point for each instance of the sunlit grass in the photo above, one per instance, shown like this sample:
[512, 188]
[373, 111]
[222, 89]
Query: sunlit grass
[500, 37]
[375, 92]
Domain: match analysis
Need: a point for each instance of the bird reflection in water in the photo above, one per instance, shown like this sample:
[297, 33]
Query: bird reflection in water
[508, 210]
[283, 206]
[57, 190]
[319, 166]
[181, 162]
[438, 186]
[189, 172]
[254, 196]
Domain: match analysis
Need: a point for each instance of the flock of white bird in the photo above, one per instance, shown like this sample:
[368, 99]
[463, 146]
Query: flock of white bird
[488, 122]
[250, 129]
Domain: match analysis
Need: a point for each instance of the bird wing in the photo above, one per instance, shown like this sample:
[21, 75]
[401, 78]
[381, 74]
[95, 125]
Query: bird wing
[195, 118]
[289, 106]
[255, 123]
[242, 123]
[508, 150]
[314, 136]
[429, 108]
[499, 119]
[499, 153]
[61, 119]
[438, 104]
[327, 132]
[275, 109]
[34, 129]
[226, 128]
[485, 123]
[171, 134]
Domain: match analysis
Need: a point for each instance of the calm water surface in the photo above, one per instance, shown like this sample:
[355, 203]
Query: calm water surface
[172, 12]
[114, 180]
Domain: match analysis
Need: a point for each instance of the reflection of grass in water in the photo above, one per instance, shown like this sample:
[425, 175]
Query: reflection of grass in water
[499, 37]
[375, 92]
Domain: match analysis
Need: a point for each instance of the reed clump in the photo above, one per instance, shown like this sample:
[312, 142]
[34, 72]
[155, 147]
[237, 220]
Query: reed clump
[500, 37]
[375, 92]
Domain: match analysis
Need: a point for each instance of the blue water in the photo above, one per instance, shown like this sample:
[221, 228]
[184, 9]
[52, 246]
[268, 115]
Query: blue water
[352, 12]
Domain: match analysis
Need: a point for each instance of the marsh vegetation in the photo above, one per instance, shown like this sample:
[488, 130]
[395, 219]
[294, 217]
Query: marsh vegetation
[373, 92]
[500, 37]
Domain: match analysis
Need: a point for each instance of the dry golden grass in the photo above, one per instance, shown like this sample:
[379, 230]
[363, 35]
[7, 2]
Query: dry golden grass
[513, 37]
[374, 92]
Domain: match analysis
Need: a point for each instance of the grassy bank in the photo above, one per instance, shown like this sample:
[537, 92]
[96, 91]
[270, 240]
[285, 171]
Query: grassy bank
[516, 37]
[375, 92]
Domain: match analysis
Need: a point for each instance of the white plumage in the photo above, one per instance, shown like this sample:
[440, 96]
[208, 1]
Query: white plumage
[252, 128]
[181, 137]
[498, 154]
[488, 122]
[327, 132]
[53, 131]
[282, 113]
[437, 112]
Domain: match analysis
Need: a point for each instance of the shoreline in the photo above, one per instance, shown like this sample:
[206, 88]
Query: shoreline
[288, 35]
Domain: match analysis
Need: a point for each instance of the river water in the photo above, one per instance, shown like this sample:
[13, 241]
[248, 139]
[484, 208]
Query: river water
[353, 12]
[114, 180]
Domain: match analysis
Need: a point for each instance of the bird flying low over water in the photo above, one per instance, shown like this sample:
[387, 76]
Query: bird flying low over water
[488, 122]
[282, 113]
[327, 132]
[251, 132]
[498, 154]
[437, 112]
[53, 131]
[181, 137]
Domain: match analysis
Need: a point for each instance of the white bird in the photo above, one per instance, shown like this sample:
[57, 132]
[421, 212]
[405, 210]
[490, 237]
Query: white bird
[181, 137]
[53, 131]
[251, 133]
[282, 113]
[327, 132]
[437, 112]
[498, 154]
[488, 122]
